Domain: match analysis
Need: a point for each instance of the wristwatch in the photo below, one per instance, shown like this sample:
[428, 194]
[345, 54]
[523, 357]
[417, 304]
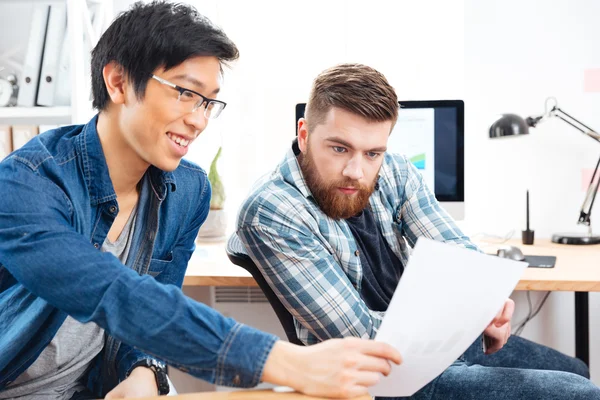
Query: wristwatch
[160, 373]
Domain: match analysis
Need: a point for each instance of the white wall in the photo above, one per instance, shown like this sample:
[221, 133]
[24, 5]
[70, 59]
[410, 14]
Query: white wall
[517, 54]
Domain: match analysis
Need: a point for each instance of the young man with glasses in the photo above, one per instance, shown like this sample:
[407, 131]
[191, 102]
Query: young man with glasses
[332, 230]
[97, 224]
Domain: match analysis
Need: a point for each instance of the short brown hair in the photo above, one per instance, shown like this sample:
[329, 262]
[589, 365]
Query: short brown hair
[355, 88]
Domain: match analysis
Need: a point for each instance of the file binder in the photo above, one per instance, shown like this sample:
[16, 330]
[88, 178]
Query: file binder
[28, 84]
[62, 93]
[57, 24]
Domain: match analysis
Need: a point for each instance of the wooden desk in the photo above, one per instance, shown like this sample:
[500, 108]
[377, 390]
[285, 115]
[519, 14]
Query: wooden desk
[247, 395]
[577, 270]
[209, 266]
[577, 267]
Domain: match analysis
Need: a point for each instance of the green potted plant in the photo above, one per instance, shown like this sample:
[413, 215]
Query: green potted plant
[215, 226]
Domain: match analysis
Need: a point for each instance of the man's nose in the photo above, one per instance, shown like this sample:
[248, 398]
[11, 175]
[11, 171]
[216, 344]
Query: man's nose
[353, 169]
[197, 120]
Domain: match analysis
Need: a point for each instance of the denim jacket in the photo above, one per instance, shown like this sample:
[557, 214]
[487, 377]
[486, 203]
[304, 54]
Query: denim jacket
[57, 204]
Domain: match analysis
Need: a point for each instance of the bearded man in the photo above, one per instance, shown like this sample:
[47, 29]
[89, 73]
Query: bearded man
[331, 230]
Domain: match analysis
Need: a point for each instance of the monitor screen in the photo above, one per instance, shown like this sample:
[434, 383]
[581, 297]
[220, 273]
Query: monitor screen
[431, 135]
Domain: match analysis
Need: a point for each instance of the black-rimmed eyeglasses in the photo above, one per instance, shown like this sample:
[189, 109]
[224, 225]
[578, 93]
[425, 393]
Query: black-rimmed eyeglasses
[213, 107]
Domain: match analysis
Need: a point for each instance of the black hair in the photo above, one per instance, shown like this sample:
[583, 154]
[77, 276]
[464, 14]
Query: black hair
[153, 35]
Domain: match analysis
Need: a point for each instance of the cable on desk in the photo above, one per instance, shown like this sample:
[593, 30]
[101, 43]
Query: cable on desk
[531, 314]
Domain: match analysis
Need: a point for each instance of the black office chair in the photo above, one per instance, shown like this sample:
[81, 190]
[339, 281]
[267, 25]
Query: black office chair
[237, 254]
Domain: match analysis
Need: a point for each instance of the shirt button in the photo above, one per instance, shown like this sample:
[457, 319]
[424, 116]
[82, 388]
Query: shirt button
[96, 245]
[357, 253]
[112, 209]
[236, 380]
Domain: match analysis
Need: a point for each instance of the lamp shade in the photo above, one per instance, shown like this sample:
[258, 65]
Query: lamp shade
[508, 125]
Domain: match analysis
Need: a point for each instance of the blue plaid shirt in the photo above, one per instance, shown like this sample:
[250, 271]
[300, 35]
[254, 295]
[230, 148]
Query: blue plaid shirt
[312, 262]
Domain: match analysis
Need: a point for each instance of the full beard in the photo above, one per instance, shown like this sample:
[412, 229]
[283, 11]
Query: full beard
[330, 200]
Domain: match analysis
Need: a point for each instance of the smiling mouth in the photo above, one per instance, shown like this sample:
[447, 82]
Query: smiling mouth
[182, 142]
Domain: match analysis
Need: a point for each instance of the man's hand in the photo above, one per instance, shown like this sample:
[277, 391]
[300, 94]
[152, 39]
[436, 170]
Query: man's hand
[497, 333]
[140, 383]
[335, 368]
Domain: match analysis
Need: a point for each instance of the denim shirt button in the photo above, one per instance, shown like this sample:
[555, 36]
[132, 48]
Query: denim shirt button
[357, 253]
[112, 209]
[96, 245]
[237, 380]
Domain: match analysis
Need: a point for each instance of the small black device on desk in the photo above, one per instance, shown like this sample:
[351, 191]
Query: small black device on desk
[514, 253]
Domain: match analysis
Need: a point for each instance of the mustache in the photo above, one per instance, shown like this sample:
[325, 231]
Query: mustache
[349, 183]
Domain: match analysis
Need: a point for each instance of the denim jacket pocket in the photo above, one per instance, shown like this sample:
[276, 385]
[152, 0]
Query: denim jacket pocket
[158, 266]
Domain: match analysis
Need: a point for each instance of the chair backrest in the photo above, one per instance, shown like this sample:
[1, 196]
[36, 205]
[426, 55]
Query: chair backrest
[237, 254]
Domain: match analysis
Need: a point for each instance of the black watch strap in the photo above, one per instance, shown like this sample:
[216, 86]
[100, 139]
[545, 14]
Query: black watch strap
[160, 373]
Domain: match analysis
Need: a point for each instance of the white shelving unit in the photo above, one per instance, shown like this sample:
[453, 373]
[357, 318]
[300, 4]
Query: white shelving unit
[35, 115]
[78, 25]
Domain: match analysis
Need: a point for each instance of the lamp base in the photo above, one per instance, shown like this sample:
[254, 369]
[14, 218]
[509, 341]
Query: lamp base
[575, 238]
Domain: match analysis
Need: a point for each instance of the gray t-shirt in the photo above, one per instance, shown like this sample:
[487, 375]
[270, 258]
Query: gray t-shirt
[56, 374]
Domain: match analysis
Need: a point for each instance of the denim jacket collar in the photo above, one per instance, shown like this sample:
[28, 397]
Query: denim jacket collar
[97, 177]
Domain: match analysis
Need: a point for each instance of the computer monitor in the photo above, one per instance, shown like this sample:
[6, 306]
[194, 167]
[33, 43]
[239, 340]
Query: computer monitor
[431, 134]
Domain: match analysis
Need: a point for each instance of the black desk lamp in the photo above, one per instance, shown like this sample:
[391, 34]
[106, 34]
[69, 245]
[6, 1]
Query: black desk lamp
[511, 124]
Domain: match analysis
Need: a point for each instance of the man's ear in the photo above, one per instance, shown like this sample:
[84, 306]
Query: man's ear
[302, 135]
[115, 81]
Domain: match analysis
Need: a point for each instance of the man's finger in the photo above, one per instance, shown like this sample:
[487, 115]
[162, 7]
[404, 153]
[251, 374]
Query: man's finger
[382, 350]
[365, 378]
[506, 313]
[374, 364]
[510, 308]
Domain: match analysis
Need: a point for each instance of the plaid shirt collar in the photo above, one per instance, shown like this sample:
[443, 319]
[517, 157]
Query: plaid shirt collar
[291, 172]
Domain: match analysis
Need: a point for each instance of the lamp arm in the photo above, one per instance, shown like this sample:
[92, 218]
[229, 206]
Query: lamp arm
[590, 196]
[557, 112]
[588, 202]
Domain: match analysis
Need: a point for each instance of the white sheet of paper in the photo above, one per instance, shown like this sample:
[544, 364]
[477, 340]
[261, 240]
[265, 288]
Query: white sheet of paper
[447, 296]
